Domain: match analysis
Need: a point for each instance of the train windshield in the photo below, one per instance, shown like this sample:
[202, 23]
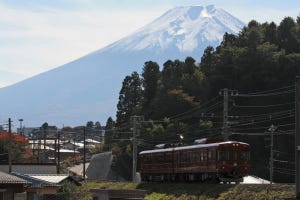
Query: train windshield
[245, 155]
[223, 155]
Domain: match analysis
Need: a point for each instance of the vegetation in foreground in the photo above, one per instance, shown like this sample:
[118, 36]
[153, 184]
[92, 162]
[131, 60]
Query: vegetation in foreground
[180, 191]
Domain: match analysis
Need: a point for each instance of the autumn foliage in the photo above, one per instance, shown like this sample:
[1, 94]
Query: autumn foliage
[21, 153]
[15, 137]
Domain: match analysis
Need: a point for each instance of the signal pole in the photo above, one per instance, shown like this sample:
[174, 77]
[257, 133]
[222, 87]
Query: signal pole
[136, 121]
[9, 145]
[297, 136]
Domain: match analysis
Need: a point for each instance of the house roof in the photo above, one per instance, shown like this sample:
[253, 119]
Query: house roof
[6, 178]
[35, 182]
[67, 151]
[44, 168]
[51, 178]
[92, 141]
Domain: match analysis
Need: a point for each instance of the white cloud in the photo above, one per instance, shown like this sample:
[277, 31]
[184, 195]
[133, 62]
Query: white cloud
[34, 42]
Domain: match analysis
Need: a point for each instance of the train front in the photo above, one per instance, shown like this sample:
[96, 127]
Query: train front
[233, 161]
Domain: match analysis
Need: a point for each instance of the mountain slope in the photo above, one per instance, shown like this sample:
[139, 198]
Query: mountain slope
[87, 88]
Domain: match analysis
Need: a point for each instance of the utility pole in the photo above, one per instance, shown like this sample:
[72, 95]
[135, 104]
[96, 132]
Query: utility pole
[83, 171]
[74, 148]
[58, 153]
[297, 136]
[55, 153]
[224, 92]
[136, 121]
[272, 129]
[9, 145]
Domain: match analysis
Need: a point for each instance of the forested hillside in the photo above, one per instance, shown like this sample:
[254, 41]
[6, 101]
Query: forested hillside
[181, 98]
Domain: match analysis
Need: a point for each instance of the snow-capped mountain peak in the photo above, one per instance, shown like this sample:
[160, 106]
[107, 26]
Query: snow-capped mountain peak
[184, 28]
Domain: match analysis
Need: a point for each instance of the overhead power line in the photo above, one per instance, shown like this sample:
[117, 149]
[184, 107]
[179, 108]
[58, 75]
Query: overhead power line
[272, 90]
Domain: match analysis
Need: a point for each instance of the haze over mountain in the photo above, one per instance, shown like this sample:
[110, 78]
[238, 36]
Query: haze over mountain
[87, 89]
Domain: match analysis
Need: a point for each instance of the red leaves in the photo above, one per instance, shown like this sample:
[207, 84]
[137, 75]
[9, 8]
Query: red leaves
[15, 137]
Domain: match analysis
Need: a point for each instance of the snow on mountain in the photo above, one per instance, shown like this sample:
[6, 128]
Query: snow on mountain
[87, 88]
[185, 27]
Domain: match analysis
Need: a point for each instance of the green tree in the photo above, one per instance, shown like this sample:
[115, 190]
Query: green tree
[98, 126]
[109, 132]
[150, 77]
[271, 33]
[90, 125]
[130, 98]
[228, 40]
[287, 35]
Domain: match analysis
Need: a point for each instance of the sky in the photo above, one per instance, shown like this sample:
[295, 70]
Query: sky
[39, 35]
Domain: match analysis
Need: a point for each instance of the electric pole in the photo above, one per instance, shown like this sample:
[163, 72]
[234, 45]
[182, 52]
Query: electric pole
[136, 121]
[9, 145]
[272, 129]
[225, 93]
[58, 153]
[297, 137]
[83, 170]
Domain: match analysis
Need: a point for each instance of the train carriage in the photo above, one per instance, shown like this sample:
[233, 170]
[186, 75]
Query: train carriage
[222, 161]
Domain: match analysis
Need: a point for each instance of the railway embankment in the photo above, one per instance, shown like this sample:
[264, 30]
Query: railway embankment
[198, 191]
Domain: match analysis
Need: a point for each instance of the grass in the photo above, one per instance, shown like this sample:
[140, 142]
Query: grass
[197, 191]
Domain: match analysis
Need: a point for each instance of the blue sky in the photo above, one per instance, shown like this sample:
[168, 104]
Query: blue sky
[38, 35]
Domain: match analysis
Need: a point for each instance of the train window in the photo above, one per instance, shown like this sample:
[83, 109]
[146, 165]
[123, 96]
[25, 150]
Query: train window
[193, 158]
[205, 155]
[223, 155]
[147, 159]
[235, 155]
[168, 157]
[190, 157]
[209, 155]
[160, 158]
[183, 157]
[197, 157]
[201, 156]
[245, 155]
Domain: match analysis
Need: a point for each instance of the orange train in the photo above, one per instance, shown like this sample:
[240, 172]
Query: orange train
[217, 162]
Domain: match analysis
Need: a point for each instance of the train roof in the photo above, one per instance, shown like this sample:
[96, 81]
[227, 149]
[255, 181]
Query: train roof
[190, 147]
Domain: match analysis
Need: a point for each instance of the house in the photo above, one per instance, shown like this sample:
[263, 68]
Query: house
[12, 187]
[17, 186]
[66, 154]
[38, 189]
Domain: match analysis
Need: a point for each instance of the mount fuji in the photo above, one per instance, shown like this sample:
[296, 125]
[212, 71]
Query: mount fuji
[87, 89]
